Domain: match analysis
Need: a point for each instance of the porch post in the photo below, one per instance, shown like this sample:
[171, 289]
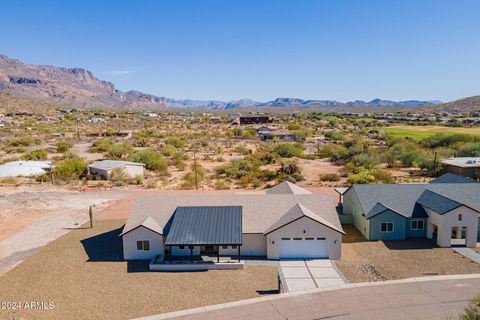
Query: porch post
[191, 254]
[238, 253]
[218, 254]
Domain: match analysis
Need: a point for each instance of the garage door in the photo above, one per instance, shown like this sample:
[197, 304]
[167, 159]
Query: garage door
[303, 248]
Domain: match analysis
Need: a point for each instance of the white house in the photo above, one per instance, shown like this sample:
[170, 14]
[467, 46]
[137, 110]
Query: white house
[24, 168]
[104, 168]
[292, 224]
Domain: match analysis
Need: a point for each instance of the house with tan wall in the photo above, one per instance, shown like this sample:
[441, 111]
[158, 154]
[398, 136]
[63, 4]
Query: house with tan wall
[284, 222]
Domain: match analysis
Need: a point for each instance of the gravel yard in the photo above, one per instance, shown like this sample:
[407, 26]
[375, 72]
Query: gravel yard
[386, 260]
[83, 274]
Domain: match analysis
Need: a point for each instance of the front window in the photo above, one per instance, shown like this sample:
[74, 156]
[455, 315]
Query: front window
[386, 227]
[143, 245]
[417, 225]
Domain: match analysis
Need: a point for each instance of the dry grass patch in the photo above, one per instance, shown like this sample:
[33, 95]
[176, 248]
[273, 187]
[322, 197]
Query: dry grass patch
[386, 260]
[84, 275]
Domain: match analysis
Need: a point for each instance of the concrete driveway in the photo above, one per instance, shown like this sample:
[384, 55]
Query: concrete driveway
[309, 274]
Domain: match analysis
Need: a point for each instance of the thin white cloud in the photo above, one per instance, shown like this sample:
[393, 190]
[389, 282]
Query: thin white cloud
[121, 72]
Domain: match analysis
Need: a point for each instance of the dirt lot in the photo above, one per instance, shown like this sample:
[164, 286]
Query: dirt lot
[84, 275]
[32, 217]
[385, 260]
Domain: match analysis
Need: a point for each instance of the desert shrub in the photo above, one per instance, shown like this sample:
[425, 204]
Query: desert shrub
[101, 145]
[119, 150]
[469, 150]
[333, 151]
[249, 133]
[361, 178]
[365, 160]
[331, 177]
[444, 140]
[168, 150]
[153, 160]
[242, 149]
[180, 155]
[288, 150]
[382, 176]
[63, 146]
[70, 169]
[335, 135]
[176, 142]
[238, 168]
[189, 178]
[179, 164]
[221, 185]
[39, 154]
[24, 142]
[290, 169]
[118, 176]
[409, 158]
[472, 311]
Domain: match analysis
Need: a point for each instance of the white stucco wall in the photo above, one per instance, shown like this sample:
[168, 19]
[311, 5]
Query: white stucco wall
[131, 171]
[446, 221]
[254, 244]
[312, 229]
[130, 239]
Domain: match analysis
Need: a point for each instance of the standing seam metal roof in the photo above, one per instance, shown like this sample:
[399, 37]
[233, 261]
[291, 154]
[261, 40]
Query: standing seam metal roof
[204, 225]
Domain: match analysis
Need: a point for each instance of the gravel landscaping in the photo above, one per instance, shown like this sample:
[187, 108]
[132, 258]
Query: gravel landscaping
[364, 260]
[83, 274]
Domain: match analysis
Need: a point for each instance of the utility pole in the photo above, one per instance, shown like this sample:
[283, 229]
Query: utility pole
[195, 166]
[434, 163]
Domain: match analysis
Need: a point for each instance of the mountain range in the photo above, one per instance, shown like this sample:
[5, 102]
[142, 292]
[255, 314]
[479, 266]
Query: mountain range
[79, 87]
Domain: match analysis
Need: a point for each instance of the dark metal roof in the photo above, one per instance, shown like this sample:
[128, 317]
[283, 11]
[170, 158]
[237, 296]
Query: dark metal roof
[452, 178]
[215, 225]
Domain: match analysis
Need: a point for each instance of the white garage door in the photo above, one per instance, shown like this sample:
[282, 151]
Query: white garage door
[303, 248]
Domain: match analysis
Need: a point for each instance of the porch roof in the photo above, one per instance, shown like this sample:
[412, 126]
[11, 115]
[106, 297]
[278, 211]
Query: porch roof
[206, 225]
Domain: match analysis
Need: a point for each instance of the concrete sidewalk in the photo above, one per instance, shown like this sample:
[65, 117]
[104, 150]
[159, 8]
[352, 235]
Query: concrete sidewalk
[408, 299]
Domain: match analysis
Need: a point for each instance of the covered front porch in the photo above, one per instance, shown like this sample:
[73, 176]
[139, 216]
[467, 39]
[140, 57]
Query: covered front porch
[203, 238]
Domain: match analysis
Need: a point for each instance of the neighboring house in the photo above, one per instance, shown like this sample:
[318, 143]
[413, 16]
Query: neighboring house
[464, 166]
[24, 168]
[276, 134]
[287, 222]
[104, 168]
[446, 208]
[255, 120]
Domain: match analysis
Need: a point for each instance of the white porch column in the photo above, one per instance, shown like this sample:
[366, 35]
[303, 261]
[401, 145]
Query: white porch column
[444, 237]
[459, 233]
[471, 239]
[430, 227]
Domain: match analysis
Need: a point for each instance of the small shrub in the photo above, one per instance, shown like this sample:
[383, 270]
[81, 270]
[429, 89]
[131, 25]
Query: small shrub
[287, 150]
[63, 146]
[330, 177]
[39, 154]
[70, 169]
[153, 160]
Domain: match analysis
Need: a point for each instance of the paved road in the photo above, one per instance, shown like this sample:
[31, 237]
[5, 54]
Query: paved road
[410, 299]
[310, 274]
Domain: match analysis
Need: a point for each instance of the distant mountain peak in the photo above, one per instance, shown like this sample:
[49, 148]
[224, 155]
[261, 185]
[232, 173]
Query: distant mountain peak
[79, 87]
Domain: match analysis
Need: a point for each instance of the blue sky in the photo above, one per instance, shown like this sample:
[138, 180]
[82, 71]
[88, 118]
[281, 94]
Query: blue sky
[311, 49]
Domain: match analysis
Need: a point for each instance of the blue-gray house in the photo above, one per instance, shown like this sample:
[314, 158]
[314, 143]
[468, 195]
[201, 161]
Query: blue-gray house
[447, 207]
